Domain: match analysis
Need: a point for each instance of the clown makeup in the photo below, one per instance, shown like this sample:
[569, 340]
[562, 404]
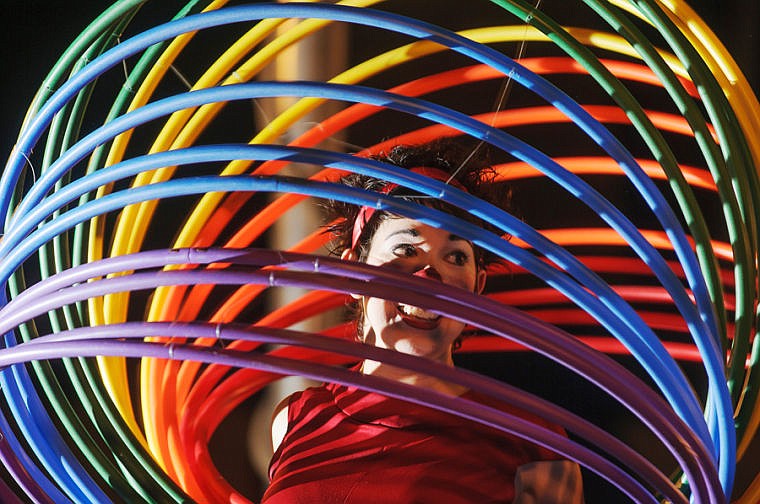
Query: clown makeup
[409, 246]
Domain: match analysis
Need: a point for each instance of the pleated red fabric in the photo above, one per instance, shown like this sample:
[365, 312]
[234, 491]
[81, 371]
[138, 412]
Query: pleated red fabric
[346, 445]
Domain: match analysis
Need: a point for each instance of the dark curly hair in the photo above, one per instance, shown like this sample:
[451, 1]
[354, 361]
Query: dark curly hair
[471, 169]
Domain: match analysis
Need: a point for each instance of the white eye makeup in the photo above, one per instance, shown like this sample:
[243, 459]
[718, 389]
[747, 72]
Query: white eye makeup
[404, 250]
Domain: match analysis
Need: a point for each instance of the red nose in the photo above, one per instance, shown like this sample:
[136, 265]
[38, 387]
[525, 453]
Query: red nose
[428, 272]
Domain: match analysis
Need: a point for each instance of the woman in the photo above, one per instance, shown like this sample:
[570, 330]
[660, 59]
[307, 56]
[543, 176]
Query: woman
[337, 444]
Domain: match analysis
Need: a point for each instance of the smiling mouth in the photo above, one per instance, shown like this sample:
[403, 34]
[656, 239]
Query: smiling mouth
[418, 317]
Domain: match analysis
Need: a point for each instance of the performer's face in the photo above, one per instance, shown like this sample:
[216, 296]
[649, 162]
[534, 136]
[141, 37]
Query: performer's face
[418, 249]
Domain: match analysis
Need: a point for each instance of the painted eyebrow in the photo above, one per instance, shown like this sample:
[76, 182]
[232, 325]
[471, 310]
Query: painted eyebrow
[414, 233]
[408, 231]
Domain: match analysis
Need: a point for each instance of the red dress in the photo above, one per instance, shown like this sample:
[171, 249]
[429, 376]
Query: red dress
[344, 445]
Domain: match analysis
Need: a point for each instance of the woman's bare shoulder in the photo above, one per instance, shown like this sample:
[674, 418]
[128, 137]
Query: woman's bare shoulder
[280, 422]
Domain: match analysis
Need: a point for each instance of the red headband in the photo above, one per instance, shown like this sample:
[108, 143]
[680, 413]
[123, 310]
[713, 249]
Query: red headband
[365, 212]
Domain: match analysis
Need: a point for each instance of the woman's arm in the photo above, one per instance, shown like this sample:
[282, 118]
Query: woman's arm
[549, 482]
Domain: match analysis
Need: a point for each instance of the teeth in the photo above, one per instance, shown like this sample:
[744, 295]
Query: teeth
[417, 312]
